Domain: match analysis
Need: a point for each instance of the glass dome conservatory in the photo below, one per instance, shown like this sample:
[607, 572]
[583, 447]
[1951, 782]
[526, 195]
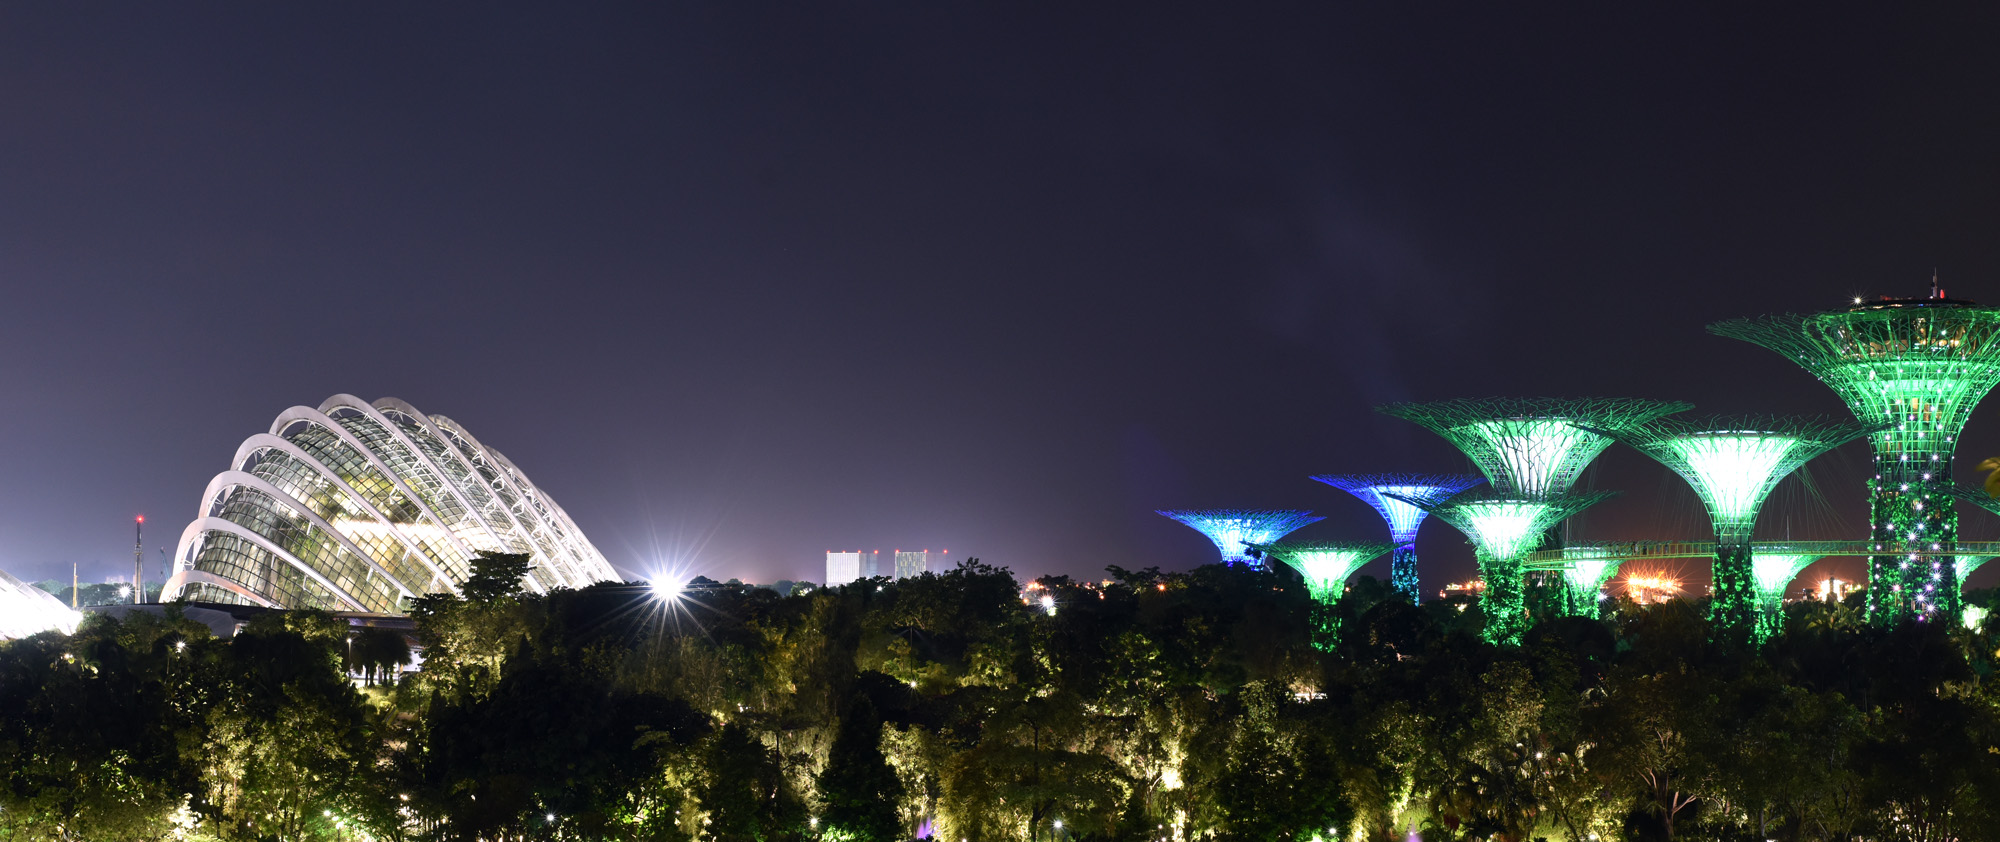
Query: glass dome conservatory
[358, 507]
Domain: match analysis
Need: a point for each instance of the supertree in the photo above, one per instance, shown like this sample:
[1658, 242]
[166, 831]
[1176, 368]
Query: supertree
[1732, 464]
[1584, 572]
[1532, 447]
[1963, 564]
[1772, 569]
[1917, 367]
[1326, 568]
[1234, 531]
[1403, 518]
[1502, 529]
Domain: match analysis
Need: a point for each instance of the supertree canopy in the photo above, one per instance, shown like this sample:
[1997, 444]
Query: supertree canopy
[1234, 531]
[1588, 568]
[1966, 564]
[1771, 572]
[1531, 447]
[1732, 464]
[1326, 568]
[1403, 518]
[1503, 528]
[1917, 367]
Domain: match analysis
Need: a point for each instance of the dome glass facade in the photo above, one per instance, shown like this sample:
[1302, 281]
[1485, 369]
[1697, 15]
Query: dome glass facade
[356, 506]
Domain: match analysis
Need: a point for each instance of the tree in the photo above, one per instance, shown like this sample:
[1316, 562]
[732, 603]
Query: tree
[858, 790]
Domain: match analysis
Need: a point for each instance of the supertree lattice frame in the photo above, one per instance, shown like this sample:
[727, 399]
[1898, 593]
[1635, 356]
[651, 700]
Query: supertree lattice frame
[1733, 463]
[1917, 367]
[1531, 447]
[1771, 573]
[1504, 528]
[1326, 567]
[1404, 519]
[1234, 531]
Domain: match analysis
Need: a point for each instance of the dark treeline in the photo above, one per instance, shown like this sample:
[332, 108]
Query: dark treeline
[1217, 704]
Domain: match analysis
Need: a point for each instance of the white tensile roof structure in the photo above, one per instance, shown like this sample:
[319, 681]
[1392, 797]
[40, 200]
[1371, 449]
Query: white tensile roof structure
[28, 610]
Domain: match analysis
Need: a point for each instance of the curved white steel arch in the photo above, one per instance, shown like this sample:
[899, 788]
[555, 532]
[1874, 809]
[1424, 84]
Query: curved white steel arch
[181, 579]
[322, 420]
[216, 524]
[534, 501]
[345, 401]
[521, 531]
[230, 479]
[266, 441]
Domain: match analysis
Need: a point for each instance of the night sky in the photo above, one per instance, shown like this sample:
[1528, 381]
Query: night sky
[740, 284]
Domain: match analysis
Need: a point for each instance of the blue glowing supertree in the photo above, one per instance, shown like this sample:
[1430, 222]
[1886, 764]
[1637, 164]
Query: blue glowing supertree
[1403, 518]
[1234, 530]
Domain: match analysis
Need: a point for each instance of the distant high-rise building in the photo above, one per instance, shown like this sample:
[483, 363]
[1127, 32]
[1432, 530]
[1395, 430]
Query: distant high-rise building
[842, 568]
[871, 564]
[916, 563]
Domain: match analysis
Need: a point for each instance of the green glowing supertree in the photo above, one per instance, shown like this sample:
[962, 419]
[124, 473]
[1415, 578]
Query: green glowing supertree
[1502, 529]
[1917, 367]
[1532, 447]
[1732, 464]
[1771, 572]
[1326, 568]
[1587, 571]
[1963, 565]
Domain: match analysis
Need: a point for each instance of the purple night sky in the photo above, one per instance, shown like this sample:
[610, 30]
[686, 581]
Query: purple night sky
[740, 283]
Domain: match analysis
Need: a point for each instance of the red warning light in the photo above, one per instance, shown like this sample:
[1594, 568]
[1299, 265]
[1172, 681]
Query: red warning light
[142, 518]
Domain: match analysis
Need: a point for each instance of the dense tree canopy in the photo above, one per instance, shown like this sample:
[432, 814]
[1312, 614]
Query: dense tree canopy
[1203, 705]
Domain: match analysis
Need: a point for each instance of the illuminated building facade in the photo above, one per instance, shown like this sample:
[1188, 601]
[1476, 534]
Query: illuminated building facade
[356, 506]
[1732, 464]
[1404, 519]
[1913, 368]
[844, 567]
[1235, 531]
[909, 564]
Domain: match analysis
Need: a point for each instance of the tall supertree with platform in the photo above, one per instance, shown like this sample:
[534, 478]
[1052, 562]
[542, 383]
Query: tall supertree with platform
[1503, 529]
[1235, 531]
[1403, 519]
[1531, 450]
[1916, 367]
[1733, 464]
[1326, 567]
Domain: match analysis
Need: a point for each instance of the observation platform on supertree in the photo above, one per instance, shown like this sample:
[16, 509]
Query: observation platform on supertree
[1916, 367]
[1733, 463]
[1403, 518]
[1235, 531]
[1503, 528]
[1532, 447]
